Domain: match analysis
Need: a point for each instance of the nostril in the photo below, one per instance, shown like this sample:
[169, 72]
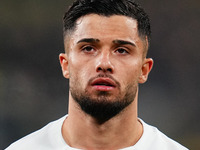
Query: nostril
[104, 66]
[109, 69]
[104, 70]
[99, 69]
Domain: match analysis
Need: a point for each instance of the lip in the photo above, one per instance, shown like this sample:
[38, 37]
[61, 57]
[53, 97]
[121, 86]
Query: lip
[103, 84]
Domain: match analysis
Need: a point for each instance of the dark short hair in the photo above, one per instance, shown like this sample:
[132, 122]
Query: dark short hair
[107, 8]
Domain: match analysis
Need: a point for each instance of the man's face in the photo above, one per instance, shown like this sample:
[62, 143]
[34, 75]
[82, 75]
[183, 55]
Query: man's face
[104, 60]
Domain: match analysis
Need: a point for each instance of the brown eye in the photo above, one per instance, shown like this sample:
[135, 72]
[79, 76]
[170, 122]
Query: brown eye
[122, 51]
[88, 49]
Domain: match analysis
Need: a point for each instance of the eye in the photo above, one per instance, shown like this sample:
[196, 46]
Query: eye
[122, 51]
[88, 49]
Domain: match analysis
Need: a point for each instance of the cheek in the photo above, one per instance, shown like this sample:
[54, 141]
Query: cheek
[78, 73]
[74, 64]
[130, 73]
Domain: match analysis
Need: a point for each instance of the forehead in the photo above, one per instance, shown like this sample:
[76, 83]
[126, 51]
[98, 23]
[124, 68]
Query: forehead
[113, 26]
[106, 30]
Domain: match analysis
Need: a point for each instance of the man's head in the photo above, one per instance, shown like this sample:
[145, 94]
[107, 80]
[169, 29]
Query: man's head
[105, 56]
[108, 8]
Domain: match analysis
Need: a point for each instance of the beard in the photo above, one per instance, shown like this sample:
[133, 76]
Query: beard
[101, 107]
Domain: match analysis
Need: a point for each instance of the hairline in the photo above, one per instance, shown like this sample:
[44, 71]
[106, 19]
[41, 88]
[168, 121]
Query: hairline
[69, 32]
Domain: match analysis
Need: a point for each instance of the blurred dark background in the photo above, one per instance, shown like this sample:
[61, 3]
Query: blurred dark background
[33, 91]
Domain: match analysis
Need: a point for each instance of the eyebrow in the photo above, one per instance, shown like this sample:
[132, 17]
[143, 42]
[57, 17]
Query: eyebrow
[89, 40]
[122, 42]
[93, 40]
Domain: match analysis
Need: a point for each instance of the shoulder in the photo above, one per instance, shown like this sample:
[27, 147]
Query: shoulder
[40, 139]
[152, 138]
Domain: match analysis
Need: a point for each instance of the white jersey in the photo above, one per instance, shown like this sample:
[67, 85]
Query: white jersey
[50, 138]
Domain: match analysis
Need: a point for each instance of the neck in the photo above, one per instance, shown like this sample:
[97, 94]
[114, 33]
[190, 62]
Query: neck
[83, 131]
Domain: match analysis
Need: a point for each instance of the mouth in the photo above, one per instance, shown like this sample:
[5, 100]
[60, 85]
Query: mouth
[103, 84]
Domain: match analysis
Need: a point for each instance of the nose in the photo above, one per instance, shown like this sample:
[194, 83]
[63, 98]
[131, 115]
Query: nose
[103, 63]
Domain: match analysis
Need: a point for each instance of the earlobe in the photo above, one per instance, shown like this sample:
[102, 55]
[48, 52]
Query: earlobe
[64, 64]
[146, 68]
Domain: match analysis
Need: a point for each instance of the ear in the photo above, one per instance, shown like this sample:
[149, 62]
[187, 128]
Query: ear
[145, 70]
[64, 64]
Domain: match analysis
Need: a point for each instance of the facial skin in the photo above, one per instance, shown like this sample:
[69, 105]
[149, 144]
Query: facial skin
[105, 63]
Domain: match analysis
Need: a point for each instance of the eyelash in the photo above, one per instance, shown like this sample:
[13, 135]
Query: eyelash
[84, 48]
[117, 50]
[125, 51]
